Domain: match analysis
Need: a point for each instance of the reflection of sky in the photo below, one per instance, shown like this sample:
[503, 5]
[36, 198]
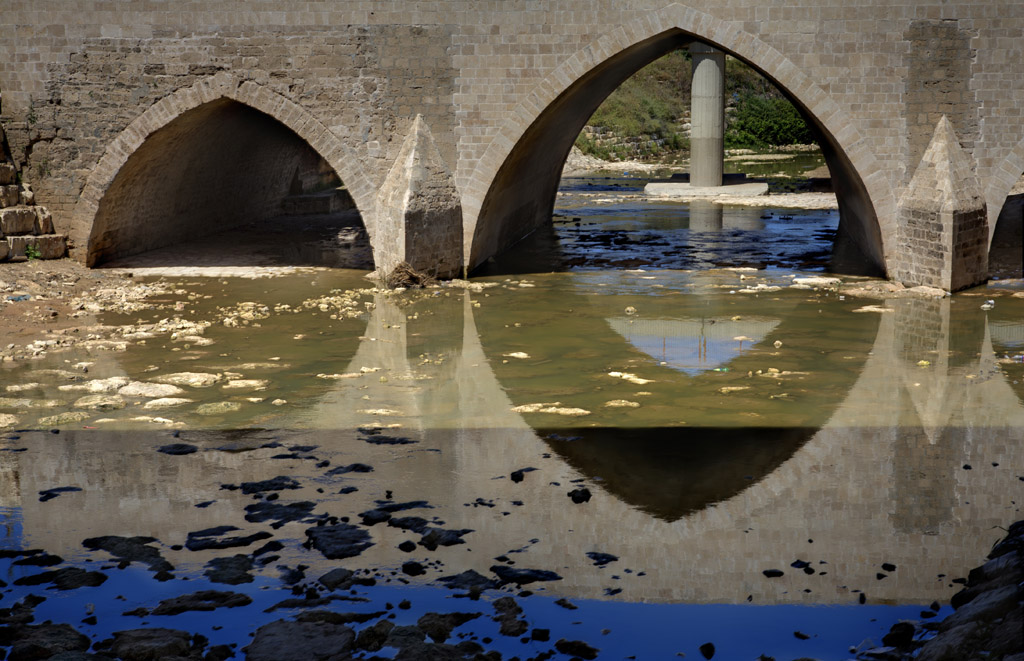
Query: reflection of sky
[693, 345]
[10, 528]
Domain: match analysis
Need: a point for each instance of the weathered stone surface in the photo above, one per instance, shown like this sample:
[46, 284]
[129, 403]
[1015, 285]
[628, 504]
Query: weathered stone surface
[49, 246]
[44, 221]
[419, 213]
[100, 402]
[8, 195]
[7, 174]
[17, 220]
[204, 600]
[193, 379]
[338, 541]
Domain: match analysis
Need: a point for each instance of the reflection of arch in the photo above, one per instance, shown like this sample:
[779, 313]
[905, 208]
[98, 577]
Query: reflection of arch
[512, 190]
[219, 87]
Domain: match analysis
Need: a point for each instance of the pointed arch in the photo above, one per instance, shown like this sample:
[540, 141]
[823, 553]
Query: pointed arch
[1000, 183]
[869, 197]
[218, 87]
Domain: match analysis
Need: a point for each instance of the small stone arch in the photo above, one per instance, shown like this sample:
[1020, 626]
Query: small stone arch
[870, 197]
[220, 86]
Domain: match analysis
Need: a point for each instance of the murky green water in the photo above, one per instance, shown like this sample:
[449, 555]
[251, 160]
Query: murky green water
[722, 422]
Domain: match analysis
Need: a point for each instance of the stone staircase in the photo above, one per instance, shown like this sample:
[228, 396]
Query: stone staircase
[26, 229]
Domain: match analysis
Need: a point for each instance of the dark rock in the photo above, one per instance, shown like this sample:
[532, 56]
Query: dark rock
[279, 483]
[300, 641]
[440, 537]
[889, 567]
[900, 634]
[280, 513]
[523, 576]
[69, 578]
[204, 600]
[341, 540]
[566, 604]
[272, 546]
[134, 549]
[387, 506]
[413, 569]
[577, 648]
[800, 635]
[468, 580]
[404, 637]
[292, 575]
[520, 475]
[351, 468]
[381, 439]
[50, 494]
[404, 604]
[374, 516]
[311, 601]
[773, 573]
[337, 618]
[511, 626]
[40, 560]
[541, 635]
[990, 605]
[6, 554]
[601, 559]
[581, 495]
[151, 644]
[407, 546]
[177, 449]
[415, 524]
[210, 538]
[336, 578]
[373, 638]
[42, 641]
[231, 571]
[707, 650]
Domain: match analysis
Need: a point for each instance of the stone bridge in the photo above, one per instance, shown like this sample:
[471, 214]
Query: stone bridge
[448, 122]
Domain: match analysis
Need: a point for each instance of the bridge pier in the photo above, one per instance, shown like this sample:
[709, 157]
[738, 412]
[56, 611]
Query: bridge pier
[707, 115]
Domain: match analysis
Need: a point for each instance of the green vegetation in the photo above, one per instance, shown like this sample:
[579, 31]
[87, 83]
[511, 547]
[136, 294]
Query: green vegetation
[644, 117]
[32, 252]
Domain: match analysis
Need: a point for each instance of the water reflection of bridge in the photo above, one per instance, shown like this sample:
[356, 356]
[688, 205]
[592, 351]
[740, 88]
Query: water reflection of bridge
[883, 480]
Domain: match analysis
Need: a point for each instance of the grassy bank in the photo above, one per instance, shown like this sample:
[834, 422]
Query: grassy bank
[647, 117]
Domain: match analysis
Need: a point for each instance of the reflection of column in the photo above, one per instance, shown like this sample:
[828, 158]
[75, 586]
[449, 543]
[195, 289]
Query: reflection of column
[936, 347]
[707, 115]
[705, 216]
[743, 218]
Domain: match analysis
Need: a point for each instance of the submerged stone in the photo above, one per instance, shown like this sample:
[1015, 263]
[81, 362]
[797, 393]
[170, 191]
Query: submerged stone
[232, 571]
[68, 578]
[341, 540]
[523, 576]
[210, 538]
[204, 600]
[133, 549]
[300, 641]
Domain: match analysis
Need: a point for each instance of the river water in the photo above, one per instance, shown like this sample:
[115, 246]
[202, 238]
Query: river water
[646, 401]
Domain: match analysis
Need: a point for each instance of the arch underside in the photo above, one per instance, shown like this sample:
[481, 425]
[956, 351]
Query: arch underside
[522, 193]
[216, 166]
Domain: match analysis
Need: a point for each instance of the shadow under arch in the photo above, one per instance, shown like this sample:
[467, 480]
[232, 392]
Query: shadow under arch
[513, 189]
[200, 160]
[1006, 216]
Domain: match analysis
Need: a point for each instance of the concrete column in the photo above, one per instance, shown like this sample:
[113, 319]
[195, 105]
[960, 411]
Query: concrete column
[707, 115]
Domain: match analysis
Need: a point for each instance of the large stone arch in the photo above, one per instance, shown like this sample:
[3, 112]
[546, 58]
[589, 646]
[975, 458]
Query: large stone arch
[1001, 181]
[221, 87]
[549, 118]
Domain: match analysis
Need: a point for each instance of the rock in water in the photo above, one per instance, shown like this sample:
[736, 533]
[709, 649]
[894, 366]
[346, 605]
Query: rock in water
[341, 540]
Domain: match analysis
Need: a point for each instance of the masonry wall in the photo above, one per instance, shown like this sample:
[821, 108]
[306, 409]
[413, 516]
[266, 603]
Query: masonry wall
[73, 79]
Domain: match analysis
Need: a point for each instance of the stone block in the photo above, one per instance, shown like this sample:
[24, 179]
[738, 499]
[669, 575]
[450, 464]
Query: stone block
[44, 221]
[7, 174]
[5, 251]
[8, 195]
[17, 220]
[27, 197]
[50, 246]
